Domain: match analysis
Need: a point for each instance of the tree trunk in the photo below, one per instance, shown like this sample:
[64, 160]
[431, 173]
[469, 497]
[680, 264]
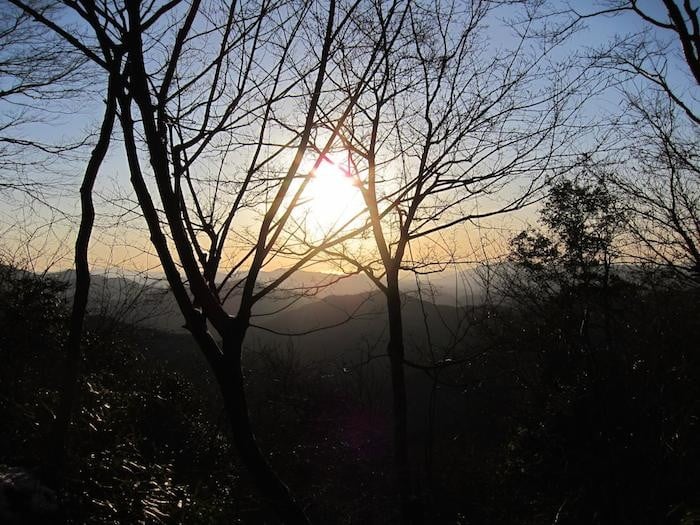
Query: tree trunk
[71, 372]
[411, 510]
[229, 376]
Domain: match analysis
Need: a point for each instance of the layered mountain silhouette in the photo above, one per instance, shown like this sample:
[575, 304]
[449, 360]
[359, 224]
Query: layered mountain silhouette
[323, 316]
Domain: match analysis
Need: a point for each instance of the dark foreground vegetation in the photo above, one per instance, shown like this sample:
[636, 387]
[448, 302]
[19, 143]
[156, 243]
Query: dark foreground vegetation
[580, 406]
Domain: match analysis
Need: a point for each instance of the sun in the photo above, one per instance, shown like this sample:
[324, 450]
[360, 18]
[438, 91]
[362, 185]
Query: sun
[332, 197]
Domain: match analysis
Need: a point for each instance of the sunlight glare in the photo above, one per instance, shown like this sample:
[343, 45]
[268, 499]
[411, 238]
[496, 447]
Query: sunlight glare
[333, 197]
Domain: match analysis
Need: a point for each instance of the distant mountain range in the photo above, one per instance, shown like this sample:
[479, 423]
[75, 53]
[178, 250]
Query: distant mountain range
[326, 314]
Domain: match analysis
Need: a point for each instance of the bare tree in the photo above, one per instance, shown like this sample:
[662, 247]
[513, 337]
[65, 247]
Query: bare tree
[667, 33]
[451, 131]
[217, 107]
[220, 105]
[71, 374]
[657, 70]
[41, 78]
[660, 184]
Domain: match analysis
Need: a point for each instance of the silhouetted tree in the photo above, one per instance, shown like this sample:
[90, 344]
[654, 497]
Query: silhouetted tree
[660, 186]
[451, 131]
[71, 372]
[582, 221]
[41, 77]
[227, 113]
[596, 367]
[657, 69]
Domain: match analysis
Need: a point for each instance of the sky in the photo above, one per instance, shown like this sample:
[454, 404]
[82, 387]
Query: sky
[119, 239]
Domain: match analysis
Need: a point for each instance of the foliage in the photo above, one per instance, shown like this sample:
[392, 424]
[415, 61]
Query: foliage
[141, 445]
[605, 433]
[582, 222]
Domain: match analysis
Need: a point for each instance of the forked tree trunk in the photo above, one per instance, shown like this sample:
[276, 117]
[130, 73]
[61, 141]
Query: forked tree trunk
[225, 362]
